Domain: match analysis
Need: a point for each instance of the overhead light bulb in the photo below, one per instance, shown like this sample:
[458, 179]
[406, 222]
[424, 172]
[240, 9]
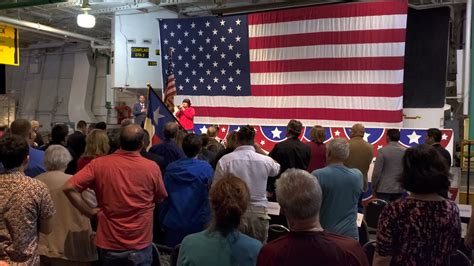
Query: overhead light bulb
[86, 20]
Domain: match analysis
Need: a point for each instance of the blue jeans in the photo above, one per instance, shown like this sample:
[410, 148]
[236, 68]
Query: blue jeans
[142, 257]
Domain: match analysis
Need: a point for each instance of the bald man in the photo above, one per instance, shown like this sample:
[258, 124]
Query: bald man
[361, 153]
[214, 144]
[127, 186]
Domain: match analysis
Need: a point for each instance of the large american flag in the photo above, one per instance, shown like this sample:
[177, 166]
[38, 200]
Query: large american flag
[331, 65]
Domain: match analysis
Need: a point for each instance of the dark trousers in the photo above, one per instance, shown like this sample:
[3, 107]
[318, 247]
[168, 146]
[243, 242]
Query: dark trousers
[388, 197]
[142, 257]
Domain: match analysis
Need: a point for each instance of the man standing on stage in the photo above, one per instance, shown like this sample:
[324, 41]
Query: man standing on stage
[139, 111]
[185, 116]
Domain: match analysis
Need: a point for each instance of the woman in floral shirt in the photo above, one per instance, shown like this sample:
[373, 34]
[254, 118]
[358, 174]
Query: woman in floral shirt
[423, 228]
[26, 207]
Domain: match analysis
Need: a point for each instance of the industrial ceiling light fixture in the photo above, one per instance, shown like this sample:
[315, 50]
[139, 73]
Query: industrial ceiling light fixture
[85, 20]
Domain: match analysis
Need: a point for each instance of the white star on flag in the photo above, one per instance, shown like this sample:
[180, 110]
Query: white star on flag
[337, 133]
[223, 129]
[157, 115]
[366, 136]
[414, 138]
[203, 129]
[276, 133]
[379, 147]
[444, 137]
[262, 142]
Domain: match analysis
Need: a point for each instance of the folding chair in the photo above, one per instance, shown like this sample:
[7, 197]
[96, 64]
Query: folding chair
[372, 213]
[369, 249]
[459, 259]
[275, 231]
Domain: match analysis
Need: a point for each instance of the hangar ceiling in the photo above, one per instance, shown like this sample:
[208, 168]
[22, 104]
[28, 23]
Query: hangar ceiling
[61, 14]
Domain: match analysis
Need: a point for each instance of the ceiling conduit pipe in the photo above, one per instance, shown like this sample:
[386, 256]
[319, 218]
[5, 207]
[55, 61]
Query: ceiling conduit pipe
[39, 28]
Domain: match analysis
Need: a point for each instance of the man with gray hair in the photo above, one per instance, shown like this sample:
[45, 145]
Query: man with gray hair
[342, 187]
[307, 241]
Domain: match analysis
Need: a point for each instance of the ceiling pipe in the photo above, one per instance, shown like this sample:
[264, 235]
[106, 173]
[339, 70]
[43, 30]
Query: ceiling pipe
[39, 28]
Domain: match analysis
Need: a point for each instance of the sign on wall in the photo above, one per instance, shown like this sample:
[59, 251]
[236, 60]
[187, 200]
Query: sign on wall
[140, 52]
[9, 46]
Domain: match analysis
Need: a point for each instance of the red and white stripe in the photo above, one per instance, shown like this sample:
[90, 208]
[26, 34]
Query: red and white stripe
[332, 65]
[170, 91]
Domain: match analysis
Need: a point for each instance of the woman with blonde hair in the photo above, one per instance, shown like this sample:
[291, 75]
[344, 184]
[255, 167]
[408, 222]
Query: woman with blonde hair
[222, 243]
[97, 144]
[318, 149]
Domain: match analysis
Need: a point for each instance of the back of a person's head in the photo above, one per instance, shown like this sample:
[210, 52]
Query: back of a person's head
[299, 194]
[146, 138]
[393, 134]
[212, 131]
[205, 140]
[126, 122]
[56, 157]
[424, 170]
[59, 133]
[97, 144]
[131, 138]
[294, 128]
[318, 134]
[101, 125]
[357, 130]
[14, 150]
[246, 135]
[435, 134]
[229, 198]
[171, 130]
[81, 125]
[231, 140]
[338, 149]
[192, 145]
[21, 127]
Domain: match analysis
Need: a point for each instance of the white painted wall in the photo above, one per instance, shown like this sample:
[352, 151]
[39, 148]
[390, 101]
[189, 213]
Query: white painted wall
[130, 72]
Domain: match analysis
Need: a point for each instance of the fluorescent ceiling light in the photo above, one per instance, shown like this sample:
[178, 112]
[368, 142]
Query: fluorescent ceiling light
[85, 20]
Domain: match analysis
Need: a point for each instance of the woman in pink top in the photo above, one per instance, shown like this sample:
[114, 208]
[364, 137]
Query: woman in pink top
[318, 149]
[97, 144]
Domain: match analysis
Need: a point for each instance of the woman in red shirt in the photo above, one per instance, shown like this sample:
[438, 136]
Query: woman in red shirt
[185, 116]
[318, 149]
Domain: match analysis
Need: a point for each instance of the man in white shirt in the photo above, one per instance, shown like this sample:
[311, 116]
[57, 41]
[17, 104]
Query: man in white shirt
[254, 169]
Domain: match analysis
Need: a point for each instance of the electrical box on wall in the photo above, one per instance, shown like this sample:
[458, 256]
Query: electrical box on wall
[136, 50]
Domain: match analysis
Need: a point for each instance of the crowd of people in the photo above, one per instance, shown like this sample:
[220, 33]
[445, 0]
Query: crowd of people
[95, 196]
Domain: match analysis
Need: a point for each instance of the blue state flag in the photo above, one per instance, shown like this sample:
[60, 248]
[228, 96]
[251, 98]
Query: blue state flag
[157, 116]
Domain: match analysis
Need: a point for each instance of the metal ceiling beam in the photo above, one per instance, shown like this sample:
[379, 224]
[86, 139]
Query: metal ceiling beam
[17, 4]
[270, 6]
[39, 28]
